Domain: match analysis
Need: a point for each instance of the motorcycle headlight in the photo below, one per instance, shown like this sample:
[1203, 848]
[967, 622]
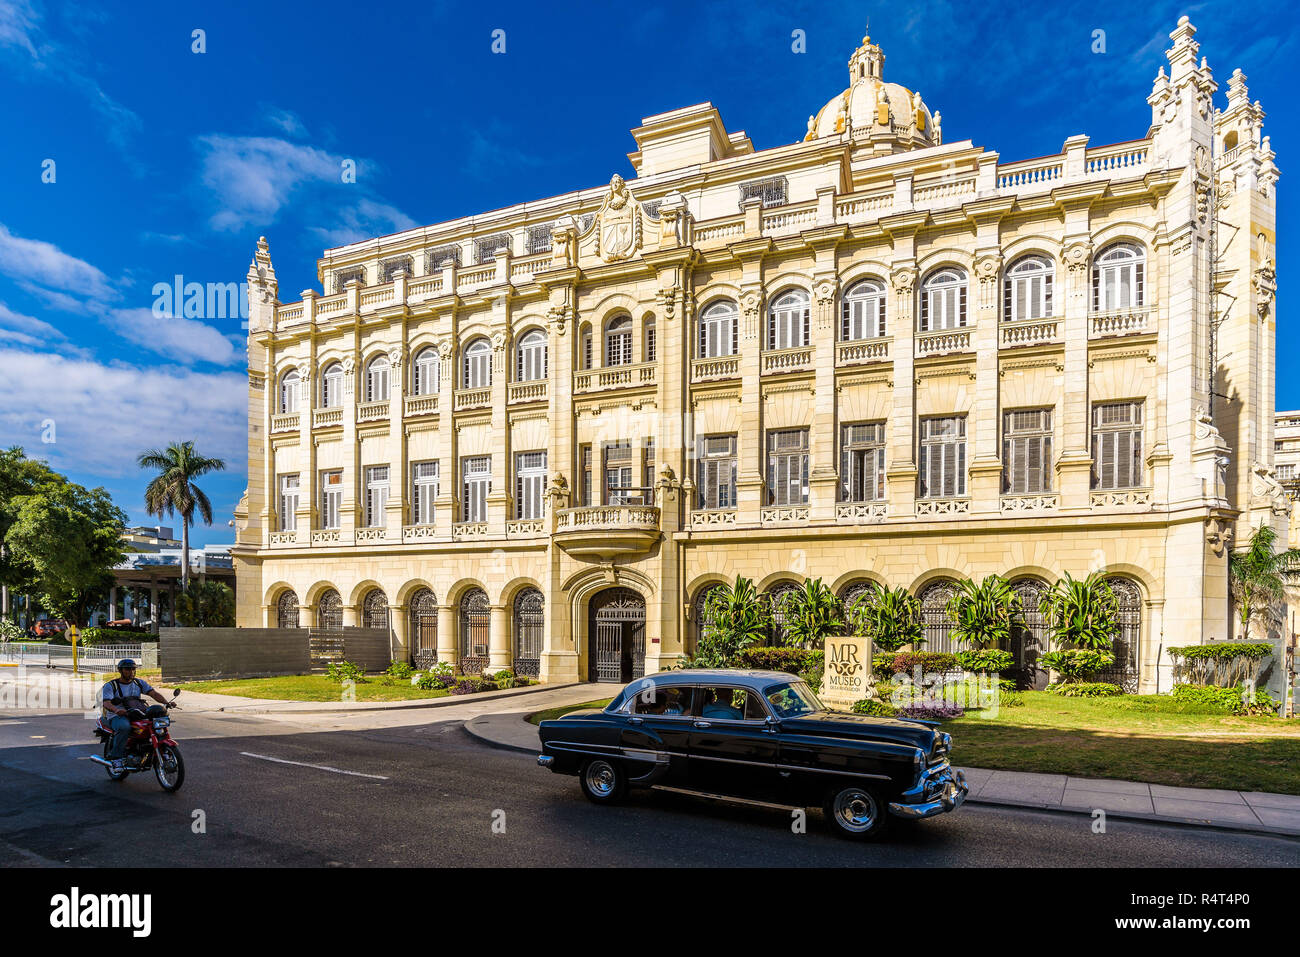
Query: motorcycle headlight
[161, 723]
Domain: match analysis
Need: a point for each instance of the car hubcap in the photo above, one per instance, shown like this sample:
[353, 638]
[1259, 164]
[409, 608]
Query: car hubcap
[600, 778]
[856, 809]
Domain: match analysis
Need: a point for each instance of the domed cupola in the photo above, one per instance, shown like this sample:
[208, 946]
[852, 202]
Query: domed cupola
[889, 117]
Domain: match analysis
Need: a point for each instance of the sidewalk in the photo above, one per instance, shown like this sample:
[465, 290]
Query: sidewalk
[1127, 800]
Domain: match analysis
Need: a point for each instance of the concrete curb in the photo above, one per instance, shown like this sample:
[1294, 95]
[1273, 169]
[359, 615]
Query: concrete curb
[275, 706]
[501, 731]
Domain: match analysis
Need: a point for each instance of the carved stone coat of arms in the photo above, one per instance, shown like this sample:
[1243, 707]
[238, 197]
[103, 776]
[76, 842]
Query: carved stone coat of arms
[618, 223]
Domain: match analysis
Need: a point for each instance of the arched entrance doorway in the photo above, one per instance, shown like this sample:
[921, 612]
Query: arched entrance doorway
[934, 615]
[329, 612]
[286, 609]
[530, 627]
[424, 629]
[1128, 635]
[1029, 635]
[475, 615]
[616, 636]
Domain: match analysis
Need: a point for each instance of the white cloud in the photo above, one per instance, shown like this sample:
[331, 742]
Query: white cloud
[16, 321]
[105, 415]
[366, 219]
[252, 177]
[286, 121]
[38, 263]
[178, 338]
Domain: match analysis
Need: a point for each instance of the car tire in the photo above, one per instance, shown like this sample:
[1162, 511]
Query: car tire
[603, 782]
[856, 812]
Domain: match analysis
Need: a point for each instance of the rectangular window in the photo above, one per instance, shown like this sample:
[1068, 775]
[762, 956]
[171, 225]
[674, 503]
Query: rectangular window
[1027, 451]
[376, 495]
[648, 473]
[331, 498]
[787, 467]
[539, 239]
[620, 473]
[424, 490]
[476, 477]
[862, 462]
[715, 470]
[942, 459]
[1117, 445]
[584, 454]
[530, 485]
[1285, 473]
[288, 502]
[650, 342]
[772, 191]
[586, 350]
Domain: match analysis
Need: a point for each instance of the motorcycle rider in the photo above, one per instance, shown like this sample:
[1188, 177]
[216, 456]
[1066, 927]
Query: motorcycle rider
[124, 693]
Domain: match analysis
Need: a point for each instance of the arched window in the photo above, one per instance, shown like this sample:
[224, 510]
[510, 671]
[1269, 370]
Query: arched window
[475, 612]
[1030, 635]
[1027, 289]
[530, 627]
[1128, 635]
[424, 629]
[699, 612]
[934, 616]
[851, 594]
[1117, 277]
[477, 373]
[331, 386]
[618, 341]
[329, 611]
[863, 314]
[424, 372]
[719, 330]
[776, 599]
[374, 609]
[584, 348]
[377, 379]
[943, 300]
[788, 320]
[649, 349]
[286, 609]
[531, 358]
[290, 389]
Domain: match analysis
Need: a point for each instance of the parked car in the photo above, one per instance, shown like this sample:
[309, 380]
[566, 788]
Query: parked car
[48, 627]
[761, 735]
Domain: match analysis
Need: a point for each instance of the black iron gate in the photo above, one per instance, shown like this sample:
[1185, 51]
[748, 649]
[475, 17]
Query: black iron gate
[1127, 636]
[530, 626]
[1029, 636]
[424, 629]
[475, 626]
[616, 630]
[934, 616]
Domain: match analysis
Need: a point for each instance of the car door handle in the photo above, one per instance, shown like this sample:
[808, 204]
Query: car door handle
[703, 724]
[636, 721]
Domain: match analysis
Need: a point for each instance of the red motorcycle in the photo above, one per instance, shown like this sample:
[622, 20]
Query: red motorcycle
[149, 748]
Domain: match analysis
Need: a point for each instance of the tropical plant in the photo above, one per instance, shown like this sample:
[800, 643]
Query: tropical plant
[1255, 576]
[173, 490]
[735, 617]
[891, 619]
[982, 613]
[1224, 663]
[986, 660]
[1081, 613]
[1077, 664]
[206, 604]
[812, 614]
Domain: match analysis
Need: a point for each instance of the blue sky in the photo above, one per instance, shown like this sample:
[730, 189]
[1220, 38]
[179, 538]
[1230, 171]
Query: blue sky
[167, 161]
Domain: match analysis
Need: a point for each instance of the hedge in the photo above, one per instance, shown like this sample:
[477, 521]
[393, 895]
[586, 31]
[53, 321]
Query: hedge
[1223, 664]
[930, 662]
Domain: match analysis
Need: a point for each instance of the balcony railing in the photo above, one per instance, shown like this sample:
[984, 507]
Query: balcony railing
[613, 517]
[469, 531]
[289, 537]
[525, 527]
[1121, 498]
[287, 422]
[418, 533]
[784, 515]
[325, 536]
[941, 343]
[421, 405]
[1040, 502]
[534, 391]
[372, 411]
[1119, 322]
[861, 513]
[787, 360]
[713, 517]
[371, 535]
[473, 399]
[942, 506]
[322, 418]
[723, 367]
[862, 351]
[1030, 332]
[614, 377]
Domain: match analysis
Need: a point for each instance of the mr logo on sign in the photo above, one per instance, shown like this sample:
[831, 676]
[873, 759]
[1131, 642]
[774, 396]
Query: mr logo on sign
[75, 910]
[844, 672]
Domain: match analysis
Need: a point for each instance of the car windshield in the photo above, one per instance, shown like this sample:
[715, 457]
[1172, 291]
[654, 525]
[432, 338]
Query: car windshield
[796, 698]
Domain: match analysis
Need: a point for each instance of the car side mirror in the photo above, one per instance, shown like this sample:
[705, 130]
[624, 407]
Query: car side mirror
[773, 722]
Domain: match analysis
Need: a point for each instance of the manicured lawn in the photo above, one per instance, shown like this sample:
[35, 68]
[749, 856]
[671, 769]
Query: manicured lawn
[552, 713]
[311, 688]
[1146, 738]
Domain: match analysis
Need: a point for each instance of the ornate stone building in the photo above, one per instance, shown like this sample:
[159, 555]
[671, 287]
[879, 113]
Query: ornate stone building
[534, 438]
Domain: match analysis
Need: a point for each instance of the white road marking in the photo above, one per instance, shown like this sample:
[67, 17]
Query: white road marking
[318, 767]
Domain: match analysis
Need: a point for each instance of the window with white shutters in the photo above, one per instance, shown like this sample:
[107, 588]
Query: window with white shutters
[788, 321]
[331, 386]
[477, 371]
[862, 462]
[288, 502]
[942, 457]
[649, 355]
[531, 357]
[530, 485]
[1118, 278]
[584, 456]
[787, 467]
[1117, 445]
[424, 491]
[476, 483]
[943, 300]
[719, 330]
[1027, 289]
[331, 498]
[424, 372]
[863, 311]
[290, 387]
[618, 342]
[585, 358]
[716, 471]
[1027, 451]
[620, 474]
[377, 379]
[376, 495]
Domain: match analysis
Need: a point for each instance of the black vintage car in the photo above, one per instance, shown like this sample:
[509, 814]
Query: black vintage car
[761, 735]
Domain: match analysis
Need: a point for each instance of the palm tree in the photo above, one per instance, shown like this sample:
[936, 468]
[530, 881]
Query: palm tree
[1081, 613]
[173, 490]
[735, 617]
[891, 619]
[1256, 575]
[811, 613]
[982, 614]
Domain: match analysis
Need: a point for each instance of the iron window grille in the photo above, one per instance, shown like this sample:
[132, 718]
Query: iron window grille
[538, 239]
[773, 191]
[486, 248]
[442, 256]
[389, 267]
[344, 276]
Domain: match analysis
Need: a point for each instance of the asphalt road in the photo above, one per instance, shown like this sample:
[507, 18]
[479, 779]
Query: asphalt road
[437, 797]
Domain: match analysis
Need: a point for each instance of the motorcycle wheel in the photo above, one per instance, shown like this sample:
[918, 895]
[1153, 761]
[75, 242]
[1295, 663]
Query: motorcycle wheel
[112, 775]
[173, 779]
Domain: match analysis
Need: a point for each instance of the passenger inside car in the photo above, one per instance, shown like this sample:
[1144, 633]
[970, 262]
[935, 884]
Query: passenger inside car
[719, 704]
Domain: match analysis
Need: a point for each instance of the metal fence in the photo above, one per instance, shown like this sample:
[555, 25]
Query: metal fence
[40, 654]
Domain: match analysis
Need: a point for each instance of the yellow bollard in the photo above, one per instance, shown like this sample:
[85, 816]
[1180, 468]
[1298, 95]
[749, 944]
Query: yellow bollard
[72, 634]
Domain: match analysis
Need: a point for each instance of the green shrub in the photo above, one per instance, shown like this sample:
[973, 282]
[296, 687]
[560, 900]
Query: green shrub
[400, 669]
[985, 660]
[1077, 664]
[1235, 700]
[342, 671]
[1081, 613]
[760, 658]
[930, 662]
[97, 635]
[1224, 664]
[891, 619]
[1086, 689]
[1010, 699]
[10, 632]
[982, 613]
[873, 707]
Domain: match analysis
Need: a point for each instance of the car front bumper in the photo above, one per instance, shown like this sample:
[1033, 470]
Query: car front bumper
[938, 790]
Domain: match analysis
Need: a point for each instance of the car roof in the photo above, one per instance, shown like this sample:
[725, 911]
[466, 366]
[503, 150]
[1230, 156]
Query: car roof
[757, 680]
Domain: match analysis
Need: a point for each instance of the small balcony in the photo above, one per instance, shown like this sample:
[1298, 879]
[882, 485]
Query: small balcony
[788, 360]
[614, 377]
[417, 405]
[943, 343]
[533, 391]
[473, 399]
[1030, 332]
[722, 367]
[324, 418]
[1120, 322]
[372, 411]
[862, 351]
[288, 422]
[605, 531]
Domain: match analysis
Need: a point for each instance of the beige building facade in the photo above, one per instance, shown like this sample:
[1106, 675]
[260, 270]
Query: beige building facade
[534, 438]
